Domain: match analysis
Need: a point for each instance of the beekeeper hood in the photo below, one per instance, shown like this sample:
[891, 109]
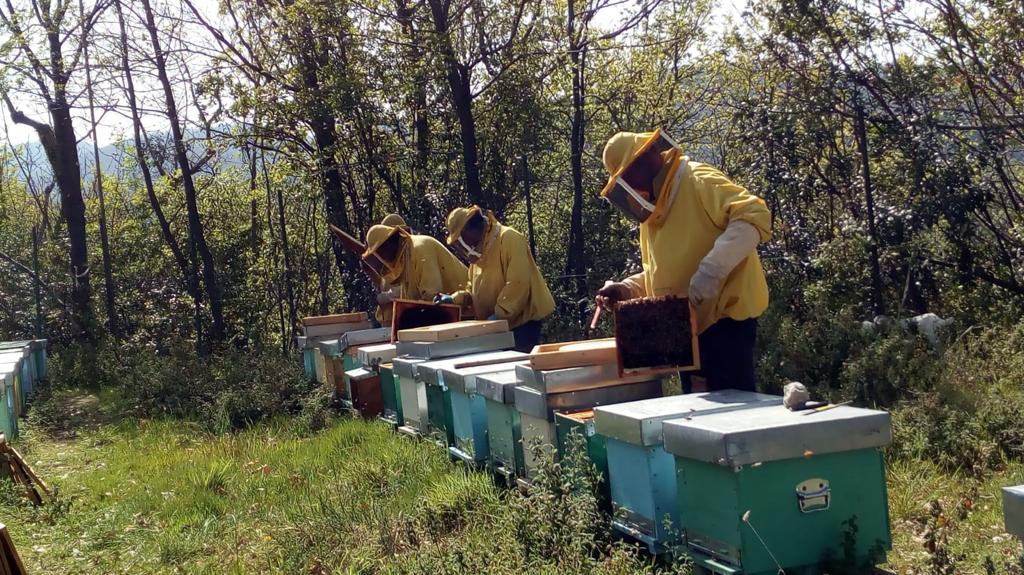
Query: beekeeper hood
[469, 230]
[396, 221]
[386, 248]
[643, 171]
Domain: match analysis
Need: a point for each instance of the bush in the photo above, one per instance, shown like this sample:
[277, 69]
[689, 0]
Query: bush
[224, 391]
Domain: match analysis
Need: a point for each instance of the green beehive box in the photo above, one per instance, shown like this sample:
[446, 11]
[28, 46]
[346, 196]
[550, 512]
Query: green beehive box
[582, 422]
[504, 438]
[389, 393]
[796, 480]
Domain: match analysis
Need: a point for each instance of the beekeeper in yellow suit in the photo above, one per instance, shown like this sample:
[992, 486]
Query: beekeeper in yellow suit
[699, 233]
[388, 293]
[419, 265]
[504, 280]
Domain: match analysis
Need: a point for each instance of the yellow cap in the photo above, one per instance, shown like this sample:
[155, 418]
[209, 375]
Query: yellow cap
[457, 221]
[621, 149]
[376, 236]
[394, 220]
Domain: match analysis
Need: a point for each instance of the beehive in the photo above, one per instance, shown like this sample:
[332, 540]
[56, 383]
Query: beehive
[390, 396]
[537, 412]
[1013, 510]
[469, 411]
[797, 479]
[412, 396]
[504, 439]
[440, 416]
[641, 473]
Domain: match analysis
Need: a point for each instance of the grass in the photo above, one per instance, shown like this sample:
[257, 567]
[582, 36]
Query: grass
[167, 497]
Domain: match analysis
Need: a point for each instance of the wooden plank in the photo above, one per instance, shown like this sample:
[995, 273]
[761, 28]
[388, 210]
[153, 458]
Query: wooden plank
[452, 331]
[9, 555]
[352, 317]
[336, 329]
[573, 354]
[408, 314]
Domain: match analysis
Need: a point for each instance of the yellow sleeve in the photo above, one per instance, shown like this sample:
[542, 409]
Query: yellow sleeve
[636, 284]
[514, 296]
[725, 202]
[430, 282]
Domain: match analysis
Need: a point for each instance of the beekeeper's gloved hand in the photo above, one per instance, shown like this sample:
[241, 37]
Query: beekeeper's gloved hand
[612, 293]
[492, 317]
[444, 298]
[385, 297]
[736, 243]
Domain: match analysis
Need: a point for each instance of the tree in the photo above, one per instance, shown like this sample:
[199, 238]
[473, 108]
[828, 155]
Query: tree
[50, 76]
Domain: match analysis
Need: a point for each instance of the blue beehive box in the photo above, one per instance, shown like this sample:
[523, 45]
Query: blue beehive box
[469, 410]
[642, 475]
[441, 418]
[8, 420]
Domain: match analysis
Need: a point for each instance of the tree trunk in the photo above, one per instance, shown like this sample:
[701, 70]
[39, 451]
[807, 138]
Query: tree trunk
[576, 264]
[459, 82]
[860, 127]
[286, 256]
[113, 322]
[196, 233]
[67, 172]
[190, 280]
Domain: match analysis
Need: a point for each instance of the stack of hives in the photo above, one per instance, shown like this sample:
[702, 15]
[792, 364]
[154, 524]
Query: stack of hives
[22, 364]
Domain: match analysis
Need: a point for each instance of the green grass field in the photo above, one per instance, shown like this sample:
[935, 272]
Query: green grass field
[165, 497]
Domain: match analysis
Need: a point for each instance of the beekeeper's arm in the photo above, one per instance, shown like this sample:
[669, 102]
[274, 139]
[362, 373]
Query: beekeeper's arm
[745, 220]
[429, 282]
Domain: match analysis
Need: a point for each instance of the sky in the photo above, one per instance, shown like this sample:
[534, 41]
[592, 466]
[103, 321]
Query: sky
[113, 125]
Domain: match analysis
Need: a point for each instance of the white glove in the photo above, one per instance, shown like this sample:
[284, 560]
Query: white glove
[736, 243]
[387, 296]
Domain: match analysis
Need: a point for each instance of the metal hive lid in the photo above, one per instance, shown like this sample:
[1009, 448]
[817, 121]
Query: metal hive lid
[406, 366]
[457, 347]
[465, 379]
[429, 371]
[359, 374]
[575, 378]
[543, 405]
[640, 422]
[380, 353]
[774, 433]
[364, 336]
[499, 387]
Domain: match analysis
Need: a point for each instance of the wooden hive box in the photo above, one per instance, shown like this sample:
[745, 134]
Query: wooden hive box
[656, 336]
[410, 314]
[573, 354]
[454, 330]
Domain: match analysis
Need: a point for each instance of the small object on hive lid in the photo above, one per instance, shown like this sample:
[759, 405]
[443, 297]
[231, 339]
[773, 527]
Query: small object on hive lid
[795, 395]
[657, 334]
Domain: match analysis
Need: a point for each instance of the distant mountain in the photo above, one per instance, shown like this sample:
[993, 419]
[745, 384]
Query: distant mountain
[33, 156]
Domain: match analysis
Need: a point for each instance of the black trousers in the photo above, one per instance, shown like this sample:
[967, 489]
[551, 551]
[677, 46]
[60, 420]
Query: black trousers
[527, 336]
[727, 356]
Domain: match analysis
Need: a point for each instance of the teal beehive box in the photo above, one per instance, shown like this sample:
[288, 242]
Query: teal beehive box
[8, 420]
[641, 474]
[441, 418]
[504, 439]
[469, 410]
[766, 488]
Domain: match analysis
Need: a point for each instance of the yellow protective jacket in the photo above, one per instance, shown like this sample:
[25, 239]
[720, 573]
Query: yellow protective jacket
[430, 269]
[506, 282]
[704, 205]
